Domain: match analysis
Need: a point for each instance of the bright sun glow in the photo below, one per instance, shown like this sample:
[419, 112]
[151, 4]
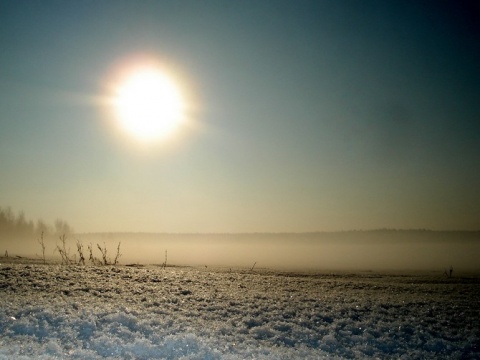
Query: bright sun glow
[149, 105]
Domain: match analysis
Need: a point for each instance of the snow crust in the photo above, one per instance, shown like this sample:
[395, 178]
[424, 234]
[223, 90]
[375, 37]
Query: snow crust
[85, 312]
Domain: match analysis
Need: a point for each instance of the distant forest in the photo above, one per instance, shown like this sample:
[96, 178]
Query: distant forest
[17, 226]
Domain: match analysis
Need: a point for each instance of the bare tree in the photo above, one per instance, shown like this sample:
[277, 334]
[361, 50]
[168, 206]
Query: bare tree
[63, 251]
[81, 258]
[104, 253]
[164, 265]
[449, 273]
[62, 227]
[42, 227]
[41, 241]
[92, 258]
[117, 256]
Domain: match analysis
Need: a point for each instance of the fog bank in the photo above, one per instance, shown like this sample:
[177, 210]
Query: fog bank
[353, 250]
[369, 250]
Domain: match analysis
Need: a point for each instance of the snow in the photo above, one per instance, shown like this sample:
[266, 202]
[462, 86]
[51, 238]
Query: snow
[104, 312]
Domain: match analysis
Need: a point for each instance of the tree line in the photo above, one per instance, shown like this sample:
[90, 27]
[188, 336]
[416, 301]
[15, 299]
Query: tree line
[18, 226]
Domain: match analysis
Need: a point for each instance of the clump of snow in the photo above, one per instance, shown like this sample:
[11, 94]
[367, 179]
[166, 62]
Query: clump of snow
[82, 312]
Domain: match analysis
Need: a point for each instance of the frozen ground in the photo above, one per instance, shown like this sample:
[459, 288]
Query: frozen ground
[85, 312]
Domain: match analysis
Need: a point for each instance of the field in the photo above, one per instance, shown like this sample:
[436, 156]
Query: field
[57, 311]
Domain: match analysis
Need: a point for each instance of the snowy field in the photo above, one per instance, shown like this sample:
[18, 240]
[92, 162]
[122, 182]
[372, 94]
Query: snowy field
[83, 312]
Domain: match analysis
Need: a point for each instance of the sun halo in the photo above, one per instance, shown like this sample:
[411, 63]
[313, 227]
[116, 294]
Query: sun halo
[148, 104]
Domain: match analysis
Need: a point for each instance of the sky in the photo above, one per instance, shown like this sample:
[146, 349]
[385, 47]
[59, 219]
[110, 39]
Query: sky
[302, 115]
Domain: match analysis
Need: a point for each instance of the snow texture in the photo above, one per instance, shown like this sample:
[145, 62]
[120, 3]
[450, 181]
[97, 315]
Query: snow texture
[86, 312]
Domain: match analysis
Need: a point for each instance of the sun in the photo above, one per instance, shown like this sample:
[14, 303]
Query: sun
[148, 104]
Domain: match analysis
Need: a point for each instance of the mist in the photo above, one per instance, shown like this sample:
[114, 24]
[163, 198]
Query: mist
[365, 250]
[352, 250]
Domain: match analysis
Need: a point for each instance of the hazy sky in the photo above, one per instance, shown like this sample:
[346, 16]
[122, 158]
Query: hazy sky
[305, 115]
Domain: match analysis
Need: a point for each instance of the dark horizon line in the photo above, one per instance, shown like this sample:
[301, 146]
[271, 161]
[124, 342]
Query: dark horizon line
[275, 233]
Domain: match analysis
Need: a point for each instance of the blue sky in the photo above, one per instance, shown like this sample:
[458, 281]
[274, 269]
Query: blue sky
[309, 115]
